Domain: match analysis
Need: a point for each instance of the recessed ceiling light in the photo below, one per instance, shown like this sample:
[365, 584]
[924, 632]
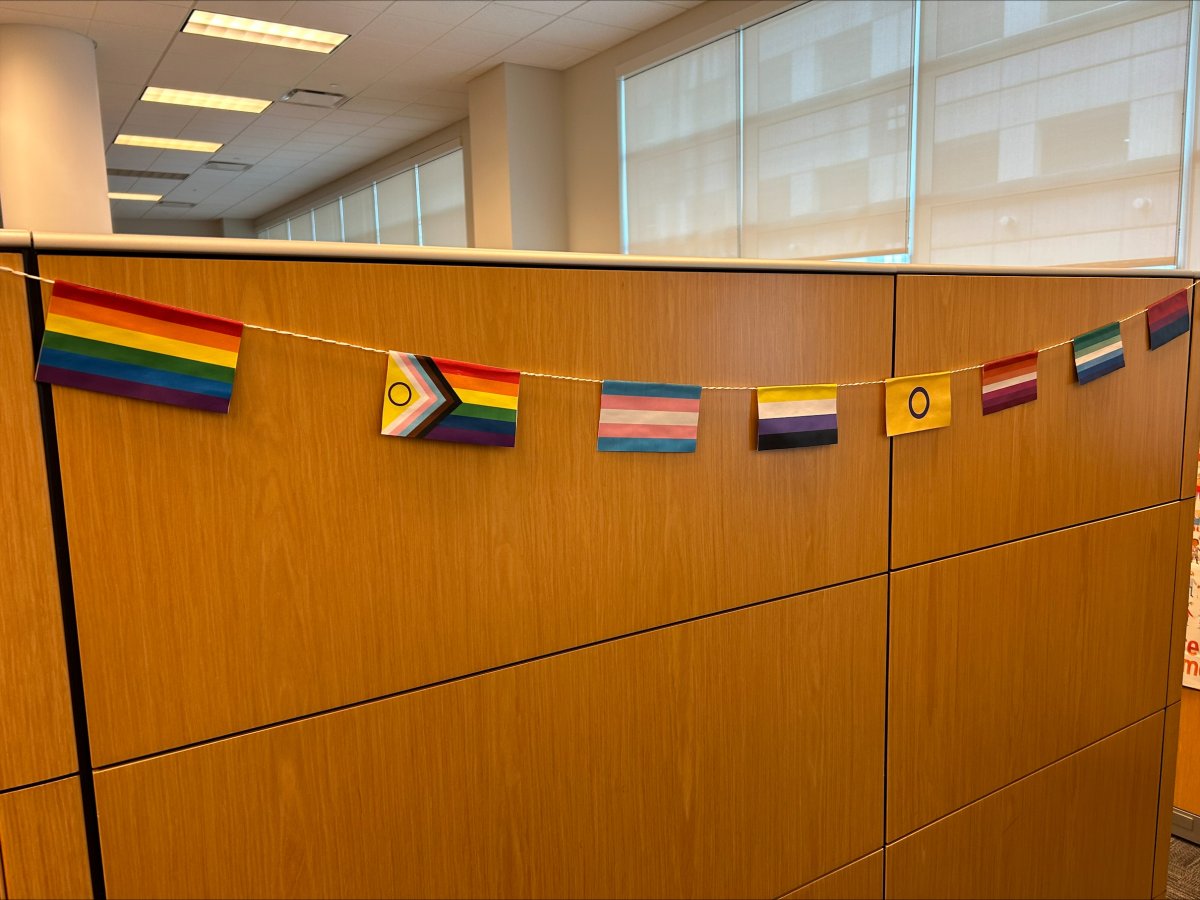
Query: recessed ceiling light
[257, 31]
[141, 140]
[148, 198]
[208, 101]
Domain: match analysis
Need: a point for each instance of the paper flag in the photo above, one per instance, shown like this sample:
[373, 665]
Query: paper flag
[121, 345]
[1098, 352]
[1009, 382]
[798, 415]
[917, 403]
[1168, 319]
[447, 400]
[644, 417]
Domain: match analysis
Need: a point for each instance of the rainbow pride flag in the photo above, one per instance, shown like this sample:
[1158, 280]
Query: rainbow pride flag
[1009, 382]
[447, 400]
[106, 342]
[1168, 319]
[645, 417]
[1098, 352]
[798, 415]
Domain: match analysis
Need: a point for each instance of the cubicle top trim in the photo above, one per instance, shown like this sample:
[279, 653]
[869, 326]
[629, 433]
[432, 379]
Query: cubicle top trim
[156, 245]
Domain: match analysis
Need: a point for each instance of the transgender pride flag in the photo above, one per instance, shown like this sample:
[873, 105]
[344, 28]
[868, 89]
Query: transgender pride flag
[644, 417]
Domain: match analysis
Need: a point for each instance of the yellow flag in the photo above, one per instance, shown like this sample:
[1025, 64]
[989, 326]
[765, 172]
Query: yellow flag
[917, 403]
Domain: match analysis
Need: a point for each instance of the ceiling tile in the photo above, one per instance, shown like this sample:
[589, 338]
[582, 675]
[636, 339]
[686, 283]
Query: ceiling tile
[438, 10]
[350, 117]
[513, 20]
[634, 14]
[554, 7]
[547, 55]
[589, 35]
[369, 105]
[79, 9]
[481, 44]
[140, 13]
[407, 30]
[449, 99]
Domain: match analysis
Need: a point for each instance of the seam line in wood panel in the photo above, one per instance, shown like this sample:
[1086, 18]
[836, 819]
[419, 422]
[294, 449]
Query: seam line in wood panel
[852, 862]
[4, 891]
[488, 671]
[1027, 775]
[1030, 537]
[887, 633]
[1183, 458]
[1158, 822]
[35, 784]
[66, 589]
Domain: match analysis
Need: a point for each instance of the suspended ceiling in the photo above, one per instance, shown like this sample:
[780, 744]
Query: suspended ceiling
[404, 70]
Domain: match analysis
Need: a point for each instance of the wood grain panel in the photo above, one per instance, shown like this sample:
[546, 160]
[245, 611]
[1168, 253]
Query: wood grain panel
[735, 756]
[1191, 431]
[1179, 614]
[35, 700]
[1166, 786]
[1007, 659]
[1077, 454]
[235, 571]
[1187, 767]
[858, 881]
[1083, 827]
[43, 844]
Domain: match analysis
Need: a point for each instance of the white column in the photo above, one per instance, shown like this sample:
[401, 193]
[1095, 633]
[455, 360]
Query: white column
[518, 169]
[52, 170]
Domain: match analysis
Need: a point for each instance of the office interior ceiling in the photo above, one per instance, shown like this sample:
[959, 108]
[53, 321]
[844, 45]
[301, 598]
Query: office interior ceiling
[404, 69]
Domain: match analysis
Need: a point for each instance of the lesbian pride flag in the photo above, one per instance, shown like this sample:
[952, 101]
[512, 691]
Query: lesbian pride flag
[1009, 382]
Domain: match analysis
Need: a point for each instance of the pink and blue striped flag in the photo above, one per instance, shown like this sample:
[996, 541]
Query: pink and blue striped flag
[644, 417]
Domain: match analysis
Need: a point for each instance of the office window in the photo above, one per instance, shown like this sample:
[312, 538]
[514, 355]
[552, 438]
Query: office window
[398, 209]
[358, 216]
[1052, 132]
[681, 154]
[827, 93]
[1042, 132]
[424, 205]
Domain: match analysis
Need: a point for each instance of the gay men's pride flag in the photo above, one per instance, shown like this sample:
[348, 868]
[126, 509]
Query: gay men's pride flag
[115, 344]
[1098, 352]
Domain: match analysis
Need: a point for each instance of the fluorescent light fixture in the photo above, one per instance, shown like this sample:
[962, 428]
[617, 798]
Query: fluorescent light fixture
[148, 198]
[276, 34]
[208, 101]
[159, 143]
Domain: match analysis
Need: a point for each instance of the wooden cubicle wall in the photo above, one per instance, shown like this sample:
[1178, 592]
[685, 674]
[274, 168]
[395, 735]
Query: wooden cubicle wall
[41, 830]
[450, 671]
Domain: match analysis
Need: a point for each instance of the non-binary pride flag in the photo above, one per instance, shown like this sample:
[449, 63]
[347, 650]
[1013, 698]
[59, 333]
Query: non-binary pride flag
[1168, 319]
[1009, 382]
[798, 415]
[917, 403]
[446, 400]
[121, 345]
[1098, 352]
[643, 417]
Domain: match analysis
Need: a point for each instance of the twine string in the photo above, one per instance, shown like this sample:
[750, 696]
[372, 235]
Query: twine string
[706, 387]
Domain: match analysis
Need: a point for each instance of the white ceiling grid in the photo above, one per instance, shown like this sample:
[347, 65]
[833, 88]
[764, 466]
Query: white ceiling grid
[404, 68]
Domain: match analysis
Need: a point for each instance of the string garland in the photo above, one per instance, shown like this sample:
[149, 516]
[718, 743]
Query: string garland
[706, 387]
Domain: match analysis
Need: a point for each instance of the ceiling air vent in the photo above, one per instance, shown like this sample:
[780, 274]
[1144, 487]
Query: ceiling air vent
[218, 166]
[136, 173]
[320, 99]
[175, 204]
